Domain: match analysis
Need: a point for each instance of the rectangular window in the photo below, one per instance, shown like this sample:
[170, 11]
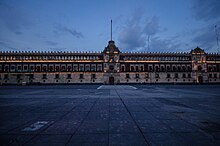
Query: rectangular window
[176, 76]
[157, 76]
[81, 76]
[122, 68]
[210, 75]
[44, 76]
[25, 68]
[127, 76]
[215, 75]
[57, 76]
[31, 76]
[184, 76]
[146, 75]
[189, 75]
[168, 75]
[137, 68]
[69, 68]
[81, 68]
[137, 75]
[69, 76]
[19, 68]
[32, 68]
[93, 76]
[18, 77]
[6, 76]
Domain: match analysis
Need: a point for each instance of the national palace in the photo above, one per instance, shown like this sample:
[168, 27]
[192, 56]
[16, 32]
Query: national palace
[111, 66]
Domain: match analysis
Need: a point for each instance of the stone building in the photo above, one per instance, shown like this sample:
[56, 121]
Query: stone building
[111, 66]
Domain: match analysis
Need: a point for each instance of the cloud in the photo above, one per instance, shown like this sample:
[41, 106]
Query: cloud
[6, 46]
[13, 19]
[136, 31]
[51, 43]
[151, 26]
[206, 38]
[206, 9]
[60, 30]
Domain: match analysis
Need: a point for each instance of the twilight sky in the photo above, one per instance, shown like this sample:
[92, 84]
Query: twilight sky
[84, 25]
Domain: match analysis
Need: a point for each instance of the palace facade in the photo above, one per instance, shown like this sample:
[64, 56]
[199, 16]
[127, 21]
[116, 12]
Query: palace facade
[111, 66]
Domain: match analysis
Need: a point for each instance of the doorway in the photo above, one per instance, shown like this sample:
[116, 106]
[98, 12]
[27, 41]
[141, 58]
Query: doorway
[111, 80]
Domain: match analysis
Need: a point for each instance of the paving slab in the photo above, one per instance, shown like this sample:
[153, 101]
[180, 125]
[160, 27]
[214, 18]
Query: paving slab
[110, 115]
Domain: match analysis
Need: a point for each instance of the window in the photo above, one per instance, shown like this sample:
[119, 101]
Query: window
[137, 76]
[150, 68]
[210, 75]
[168, 68]
[184, 76]
[132, 68]
[199, 68]
[93, 76]
[32, 68]
[99, 68]
[81, 76]
[176, 76]
[6, 76]
[57, 76]
[50, 68]
[122, 68]
[19, 68]
[215, 75]
[142, 68]
[31, 76]
[146, 75]
[93, 68]
[63, 68]
[38, 68]
[168, 75]
[87, 68]
[137, 68]
[81, 68]
[44, 68]
[12, 67]
[127, 76]
[57, 69]
[44, 76]
[69, 76]
[69, 68]
[157, 76]
[189, 75]
[18, 77]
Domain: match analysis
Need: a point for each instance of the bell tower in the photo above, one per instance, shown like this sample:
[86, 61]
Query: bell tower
[111, 62]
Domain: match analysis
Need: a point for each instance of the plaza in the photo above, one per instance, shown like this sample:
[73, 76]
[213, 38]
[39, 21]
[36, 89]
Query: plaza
[133, 114]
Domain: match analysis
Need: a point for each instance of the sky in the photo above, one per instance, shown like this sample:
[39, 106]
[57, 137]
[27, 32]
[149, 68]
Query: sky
[84, 25]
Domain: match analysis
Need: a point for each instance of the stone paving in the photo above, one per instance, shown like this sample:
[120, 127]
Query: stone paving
[110, 115]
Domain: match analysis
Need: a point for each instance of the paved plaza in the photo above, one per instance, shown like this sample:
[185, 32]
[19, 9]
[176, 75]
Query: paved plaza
[102, 115]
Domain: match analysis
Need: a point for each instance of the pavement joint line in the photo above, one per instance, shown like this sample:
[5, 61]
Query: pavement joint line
[80, 124]
[99, 87]
[146, 141]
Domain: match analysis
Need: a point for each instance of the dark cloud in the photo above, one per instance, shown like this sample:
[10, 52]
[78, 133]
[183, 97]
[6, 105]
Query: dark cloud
[206, 9]
[60, 30]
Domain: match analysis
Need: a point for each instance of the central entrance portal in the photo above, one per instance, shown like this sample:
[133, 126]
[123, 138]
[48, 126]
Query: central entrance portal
[111, 80]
